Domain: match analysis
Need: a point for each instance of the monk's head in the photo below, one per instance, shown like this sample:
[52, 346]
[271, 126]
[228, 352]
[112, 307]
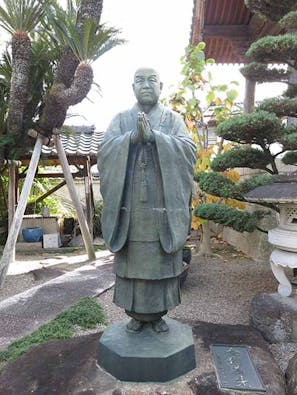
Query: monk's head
[147, 86]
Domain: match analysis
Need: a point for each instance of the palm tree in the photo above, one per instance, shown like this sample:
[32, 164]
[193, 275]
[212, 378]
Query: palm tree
[19, 18]
[43, 88]
[84, 41]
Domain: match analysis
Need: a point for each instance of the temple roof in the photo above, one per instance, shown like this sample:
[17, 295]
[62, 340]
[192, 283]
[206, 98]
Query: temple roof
[79, 142]
[228, 28]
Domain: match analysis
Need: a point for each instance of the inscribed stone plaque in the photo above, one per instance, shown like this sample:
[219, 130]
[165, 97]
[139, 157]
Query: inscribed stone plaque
[235, 368]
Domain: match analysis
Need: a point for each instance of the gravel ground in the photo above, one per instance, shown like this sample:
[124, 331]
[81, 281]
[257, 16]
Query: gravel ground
[218, 289]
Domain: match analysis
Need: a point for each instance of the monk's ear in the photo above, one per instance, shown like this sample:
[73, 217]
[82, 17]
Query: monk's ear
[161, 86]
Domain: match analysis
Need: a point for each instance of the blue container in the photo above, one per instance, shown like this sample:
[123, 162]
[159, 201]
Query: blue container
[32, 235]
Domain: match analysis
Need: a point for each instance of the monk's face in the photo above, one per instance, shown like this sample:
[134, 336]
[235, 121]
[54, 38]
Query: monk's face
[147, 86]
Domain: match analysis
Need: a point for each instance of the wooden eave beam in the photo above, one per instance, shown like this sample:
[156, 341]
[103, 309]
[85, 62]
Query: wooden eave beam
[227, 31]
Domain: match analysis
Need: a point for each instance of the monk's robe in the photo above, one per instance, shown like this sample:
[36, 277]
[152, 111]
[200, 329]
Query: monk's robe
[146, 190]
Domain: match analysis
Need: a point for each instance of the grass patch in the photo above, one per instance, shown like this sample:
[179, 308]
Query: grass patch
[86, 313]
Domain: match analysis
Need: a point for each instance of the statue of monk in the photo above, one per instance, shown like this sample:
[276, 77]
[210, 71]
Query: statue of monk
[146, 164]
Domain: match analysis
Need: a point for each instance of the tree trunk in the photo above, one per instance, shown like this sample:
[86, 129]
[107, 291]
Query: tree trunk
[205, 248]
[249, 99]
[18, 216]
[21, 62]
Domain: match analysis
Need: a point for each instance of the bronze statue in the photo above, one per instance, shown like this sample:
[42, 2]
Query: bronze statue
[146, 164]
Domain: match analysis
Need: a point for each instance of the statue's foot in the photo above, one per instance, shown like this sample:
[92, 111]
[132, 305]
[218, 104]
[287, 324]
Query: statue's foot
[160, 326]
[134, 325]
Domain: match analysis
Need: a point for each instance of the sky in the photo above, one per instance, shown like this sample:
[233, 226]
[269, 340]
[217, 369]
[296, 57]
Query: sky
[157, 32]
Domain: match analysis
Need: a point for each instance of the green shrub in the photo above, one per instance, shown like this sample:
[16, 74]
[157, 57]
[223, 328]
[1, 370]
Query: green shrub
[290, 158]
[274, 48]
[281, 106]
[260, 72]
[252, 182]
[97, 219]
[271, 9]
[240, 157]
[289, 21]
[253, 128]
[239, 220]
[217, 184]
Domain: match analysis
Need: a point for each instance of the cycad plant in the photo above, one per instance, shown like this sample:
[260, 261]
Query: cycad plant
[84, 41]
[47, 76]
[19, 18]
[51, 52]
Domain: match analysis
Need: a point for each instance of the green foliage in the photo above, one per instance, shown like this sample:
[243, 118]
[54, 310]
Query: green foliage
[86, 313]
[261, 72]
[281, 106]
[281, 49]
[21, 15]
[250, 183]
[271, 9]
[97, 219]
[289, 138]
[217, 184]
[222, 214]
[240, 157]
[290, 158]
[260, 127]
[89, 45]
[39, 187]
[197, 96]
[289, 21]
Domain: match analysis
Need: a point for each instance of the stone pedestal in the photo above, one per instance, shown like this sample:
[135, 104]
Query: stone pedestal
[147, 355]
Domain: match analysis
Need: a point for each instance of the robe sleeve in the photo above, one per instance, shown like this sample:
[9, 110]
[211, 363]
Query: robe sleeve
[112, 163]
[177, 158]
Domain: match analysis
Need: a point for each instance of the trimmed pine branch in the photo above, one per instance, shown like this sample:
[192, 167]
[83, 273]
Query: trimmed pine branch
[281, 106]
[251, 158]
[281, 49]
[259, 127]
[241, 221]
[261, 72]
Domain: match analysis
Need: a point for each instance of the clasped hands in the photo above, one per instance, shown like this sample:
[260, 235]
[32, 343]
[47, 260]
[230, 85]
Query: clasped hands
[144, 132]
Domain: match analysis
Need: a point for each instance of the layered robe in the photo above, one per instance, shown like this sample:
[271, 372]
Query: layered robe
[146, 190]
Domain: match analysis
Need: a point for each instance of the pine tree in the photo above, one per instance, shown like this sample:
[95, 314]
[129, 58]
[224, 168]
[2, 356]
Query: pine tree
[273, 121]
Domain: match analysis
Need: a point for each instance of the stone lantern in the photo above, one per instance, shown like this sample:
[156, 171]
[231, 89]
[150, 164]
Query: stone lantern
[283, 193]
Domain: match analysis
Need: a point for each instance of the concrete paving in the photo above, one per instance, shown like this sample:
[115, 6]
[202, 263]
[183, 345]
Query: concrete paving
[25, 312]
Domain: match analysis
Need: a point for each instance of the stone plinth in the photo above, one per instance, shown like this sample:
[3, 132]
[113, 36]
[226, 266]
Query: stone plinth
[147, 356]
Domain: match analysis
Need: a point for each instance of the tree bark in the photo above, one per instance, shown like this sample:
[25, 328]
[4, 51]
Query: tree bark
[205, 248]
[249, 99]
[21, 62]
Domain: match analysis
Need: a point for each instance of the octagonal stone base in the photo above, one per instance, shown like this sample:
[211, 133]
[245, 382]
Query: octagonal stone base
[147, 355]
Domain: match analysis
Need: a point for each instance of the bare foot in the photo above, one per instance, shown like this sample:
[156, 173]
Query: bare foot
[160, 326]
[134, 325]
